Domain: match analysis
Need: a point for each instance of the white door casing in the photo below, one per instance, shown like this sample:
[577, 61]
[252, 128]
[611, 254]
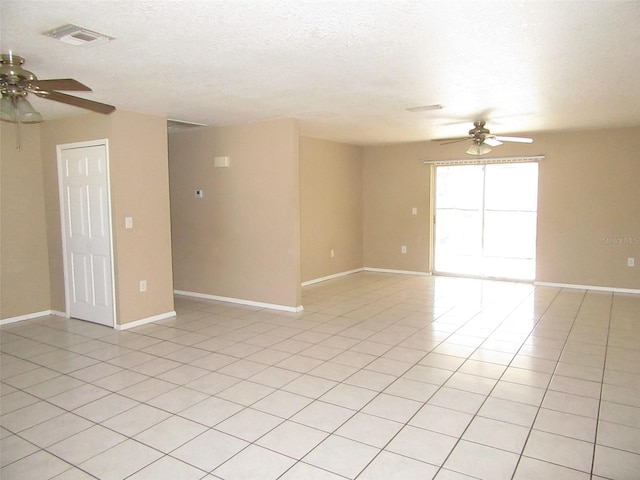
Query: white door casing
[83, 170]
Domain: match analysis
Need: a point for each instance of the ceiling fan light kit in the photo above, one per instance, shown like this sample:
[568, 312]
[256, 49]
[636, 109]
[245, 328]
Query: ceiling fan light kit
[16, 83]
[478, 149]
[16, 109]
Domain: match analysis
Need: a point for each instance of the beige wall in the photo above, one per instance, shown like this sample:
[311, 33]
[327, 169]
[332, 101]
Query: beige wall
[24, 278]
[139, 188]
[588, 202]
[587, 194]
[395, 181]
[242, 240]
[330, 207]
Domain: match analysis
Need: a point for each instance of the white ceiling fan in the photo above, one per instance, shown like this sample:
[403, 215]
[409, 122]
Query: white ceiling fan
[483, 139]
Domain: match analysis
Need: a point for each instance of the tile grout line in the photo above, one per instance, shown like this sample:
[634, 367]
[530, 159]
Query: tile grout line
[602, 379]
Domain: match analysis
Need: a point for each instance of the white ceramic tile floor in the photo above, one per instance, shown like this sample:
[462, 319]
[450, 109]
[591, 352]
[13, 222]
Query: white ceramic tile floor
[382, 376]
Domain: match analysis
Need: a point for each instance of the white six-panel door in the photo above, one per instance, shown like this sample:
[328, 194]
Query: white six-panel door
[84, 198]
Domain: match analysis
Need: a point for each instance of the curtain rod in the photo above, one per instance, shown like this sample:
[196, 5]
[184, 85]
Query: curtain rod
[485, 161]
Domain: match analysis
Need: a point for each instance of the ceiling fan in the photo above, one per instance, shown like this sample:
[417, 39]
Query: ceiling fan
[483, 139]
[16, 83]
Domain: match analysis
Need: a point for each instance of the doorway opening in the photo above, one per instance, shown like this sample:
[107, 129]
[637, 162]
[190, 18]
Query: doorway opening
[486, 220]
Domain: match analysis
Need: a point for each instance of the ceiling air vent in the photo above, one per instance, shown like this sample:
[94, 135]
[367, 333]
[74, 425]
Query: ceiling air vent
[177, 125]
[78, 36]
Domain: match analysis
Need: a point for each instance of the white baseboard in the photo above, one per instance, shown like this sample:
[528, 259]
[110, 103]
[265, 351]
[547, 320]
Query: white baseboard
[329, 277]
[364, 269]
[402, 272]
[144, 321]
[587, 287]
[31, 316]
[240, 301]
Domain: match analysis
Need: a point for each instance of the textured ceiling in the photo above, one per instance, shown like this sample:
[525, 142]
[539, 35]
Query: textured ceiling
[347, 69]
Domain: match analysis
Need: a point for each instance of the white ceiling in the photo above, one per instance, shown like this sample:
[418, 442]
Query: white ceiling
[347, 69]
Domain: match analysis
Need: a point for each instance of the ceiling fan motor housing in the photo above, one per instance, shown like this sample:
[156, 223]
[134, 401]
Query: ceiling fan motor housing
[479, 130]
[12, 76]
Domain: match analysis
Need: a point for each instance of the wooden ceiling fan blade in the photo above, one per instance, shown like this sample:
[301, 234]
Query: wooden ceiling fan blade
[76, 101]
[514, 139]
[68, 84]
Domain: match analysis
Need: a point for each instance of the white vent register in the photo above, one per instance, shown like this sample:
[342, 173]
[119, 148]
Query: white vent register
[78, 36]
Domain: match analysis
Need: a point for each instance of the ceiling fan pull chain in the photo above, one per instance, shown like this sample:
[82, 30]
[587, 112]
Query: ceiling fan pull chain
[16, 116]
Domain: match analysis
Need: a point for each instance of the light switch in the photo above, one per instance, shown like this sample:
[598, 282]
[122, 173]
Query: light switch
[414, 211]
[128, 222]
[631, 262]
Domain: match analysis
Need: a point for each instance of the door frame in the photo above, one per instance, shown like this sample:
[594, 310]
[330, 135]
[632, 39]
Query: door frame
[59, 149]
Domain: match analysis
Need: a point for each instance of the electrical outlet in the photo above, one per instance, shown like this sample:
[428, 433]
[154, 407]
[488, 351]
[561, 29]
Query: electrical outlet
[143, 285]
[403, 249]
[199, 193]
[332, 253]
[631, 262]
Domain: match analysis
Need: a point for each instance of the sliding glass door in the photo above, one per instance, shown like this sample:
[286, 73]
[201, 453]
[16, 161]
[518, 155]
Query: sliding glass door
[485, 220]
